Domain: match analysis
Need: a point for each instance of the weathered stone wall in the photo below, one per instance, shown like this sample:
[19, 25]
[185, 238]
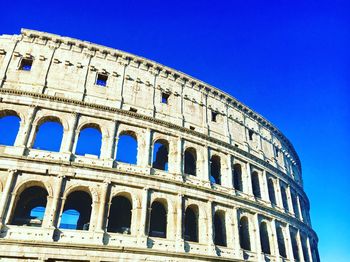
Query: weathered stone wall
[62, 84]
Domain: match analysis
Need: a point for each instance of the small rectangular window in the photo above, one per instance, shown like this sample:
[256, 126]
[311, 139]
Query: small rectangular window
[192, 128]
[101, 80]
[26, 64]
[251, 133]
[276, 151]
[165, 98]
[134, 110]
[214, 116]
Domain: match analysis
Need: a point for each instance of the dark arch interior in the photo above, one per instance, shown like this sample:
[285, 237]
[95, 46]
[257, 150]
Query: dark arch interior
[271, 188]
[305, 249]
[127, 149]
[119, 219]
[49, 136]
[295, 248]
[244, 237]
[190, 161]
[237, 177]
[219, 229]
[77, 211]
[191, 225]
[160, 155]
[281, 243]
[30, 199]
[256, 184]
[264, 238]
[284, 198]
[215, 170]
[9, 126]
[158, 221]
[89, 141]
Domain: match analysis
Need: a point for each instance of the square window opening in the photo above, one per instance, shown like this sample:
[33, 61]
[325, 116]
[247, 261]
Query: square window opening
[134, 110]
[101, 79]
[192, 127]
[165, 98]
[251, 133]
[26, 64]
[214, 116]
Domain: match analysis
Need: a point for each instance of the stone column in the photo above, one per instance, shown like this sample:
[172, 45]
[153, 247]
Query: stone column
[5, 196]
[69, 135]
[175, 157]
[289, 200]
[102, 207]
[228, 173]
[300, 247]
[275, 248]
[179, 227]
[210, 231]
[248, 180]
[264, 187]
[144, 213]
[235, 227]
[144, 150]
[257, 235]
[52, 215]
[25, 128]
[308, 246]
[288, 241]
[279, 200]
[205, 165]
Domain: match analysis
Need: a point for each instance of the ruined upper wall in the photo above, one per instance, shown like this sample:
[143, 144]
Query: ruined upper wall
[69, 68]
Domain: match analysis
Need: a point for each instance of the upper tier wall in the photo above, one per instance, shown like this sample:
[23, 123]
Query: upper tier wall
[69, 68]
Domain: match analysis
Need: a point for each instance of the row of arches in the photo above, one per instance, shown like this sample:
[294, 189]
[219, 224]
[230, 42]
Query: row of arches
[49, 133]
[75, 214]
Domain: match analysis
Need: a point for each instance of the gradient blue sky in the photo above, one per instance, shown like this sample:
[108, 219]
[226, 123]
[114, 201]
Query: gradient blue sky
[288, 60]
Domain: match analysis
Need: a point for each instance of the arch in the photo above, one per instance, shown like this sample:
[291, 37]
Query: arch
[191, 223]
[284, 198]
[264, 238]
[48, 134]
[219, 228]
[30, 207]
[295, 248]
[280, 241]
[271, 189]
[119, 219]
[9, 127]
[158, 220]
[160, 154]
[244, 235]
[127, 148]
[215, 169]
[76, 212]
[190, 161]
[237, 177]
[295, 204]
[256, 184]
[305, 248]
[89, 140]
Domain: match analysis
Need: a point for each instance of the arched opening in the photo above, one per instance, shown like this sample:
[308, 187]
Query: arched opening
[284, 198]
[280, 241]
[305, 248]
[215, 170]
[295, 248]
[77, 211]
[30, 207]
[191, 224]
[190, 161]
[158, 221]
[160, 154]
[295, 204]
[89, 141]
[119, 219]
[237, 177]
[244, 236]
[9, 126]
[127, 148]
[264, 238]
[271, 188]
[48, 135]
[219, 229]
[256, 184]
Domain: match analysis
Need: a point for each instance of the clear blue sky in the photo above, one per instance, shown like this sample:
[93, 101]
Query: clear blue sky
[288, 60]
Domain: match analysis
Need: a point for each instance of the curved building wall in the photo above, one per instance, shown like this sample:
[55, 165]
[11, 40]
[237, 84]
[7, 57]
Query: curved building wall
[239, 175]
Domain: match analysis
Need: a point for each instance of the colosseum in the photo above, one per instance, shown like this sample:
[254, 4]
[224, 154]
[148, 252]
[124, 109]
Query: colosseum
[182, 170]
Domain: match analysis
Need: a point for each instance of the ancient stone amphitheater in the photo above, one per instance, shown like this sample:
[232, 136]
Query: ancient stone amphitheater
[211, 180]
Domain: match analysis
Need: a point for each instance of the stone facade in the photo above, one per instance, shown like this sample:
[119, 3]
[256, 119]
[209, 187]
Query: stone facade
[255, 198]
